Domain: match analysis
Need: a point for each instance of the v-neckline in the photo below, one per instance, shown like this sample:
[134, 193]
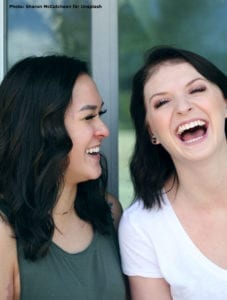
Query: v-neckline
[196, 252]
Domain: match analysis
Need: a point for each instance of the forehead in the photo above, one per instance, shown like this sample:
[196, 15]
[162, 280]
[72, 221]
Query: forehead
[170, 76]
[171, 72]
[84, 92]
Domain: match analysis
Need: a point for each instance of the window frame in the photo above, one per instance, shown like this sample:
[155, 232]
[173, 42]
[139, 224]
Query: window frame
[104, 62]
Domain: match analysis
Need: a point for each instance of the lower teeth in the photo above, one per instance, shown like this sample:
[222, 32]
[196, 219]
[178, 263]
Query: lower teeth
[193, 140]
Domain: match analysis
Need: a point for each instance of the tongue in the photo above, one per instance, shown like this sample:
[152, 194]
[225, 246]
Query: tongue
[189, 135]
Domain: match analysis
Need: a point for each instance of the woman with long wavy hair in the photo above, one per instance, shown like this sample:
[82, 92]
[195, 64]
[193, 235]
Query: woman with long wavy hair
[57, 239]
[173, 237]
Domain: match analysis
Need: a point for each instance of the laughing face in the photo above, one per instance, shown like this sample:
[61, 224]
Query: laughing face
[185, 111]
[86, 130]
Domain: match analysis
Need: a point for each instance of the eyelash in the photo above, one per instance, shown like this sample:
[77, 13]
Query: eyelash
[198, 90]
[90, 117]
[164, 101]
[161, 102]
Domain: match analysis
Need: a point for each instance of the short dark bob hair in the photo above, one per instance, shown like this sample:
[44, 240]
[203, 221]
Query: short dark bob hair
[151, 165]
[34, 147]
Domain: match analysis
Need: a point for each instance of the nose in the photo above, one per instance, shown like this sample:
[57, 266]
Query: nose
[183, 106]
[102, 130]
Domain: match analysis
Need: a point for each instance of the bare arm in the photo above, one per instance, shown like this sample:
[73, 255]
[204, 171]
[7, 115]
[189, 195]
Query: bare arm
[149, 288]
[8, 261]
[116, 209]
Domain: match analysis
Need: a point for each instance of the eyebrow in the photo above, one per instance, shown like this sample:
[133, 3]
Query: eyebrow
[189, 83]
[193, 80]
[90, 107]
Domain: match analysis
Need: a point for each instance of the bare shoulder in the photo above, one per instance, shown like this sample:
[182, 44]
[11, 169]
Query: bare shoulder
[142, 288]
[8, 258]
[6, 232]
[116, 208]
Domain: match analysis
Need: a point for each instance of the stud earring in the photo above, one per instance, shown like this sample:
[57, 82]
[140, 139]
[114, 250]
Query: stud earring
[154, 139]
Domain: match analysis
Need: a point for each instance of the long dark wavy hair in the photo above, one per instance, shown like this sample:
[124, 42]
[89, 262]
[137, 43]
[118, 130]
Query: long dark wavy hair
[34, 147]
[151, 165]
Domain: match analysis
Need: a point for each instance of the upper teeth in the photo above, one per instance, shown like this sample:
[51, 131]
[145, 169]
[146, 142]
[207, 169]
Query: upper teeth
[92, 150]
[190, 125]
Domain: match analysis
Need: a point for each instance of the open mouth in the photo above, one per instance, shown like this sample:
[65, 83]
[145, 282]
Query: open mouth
[93, 151]
[192, 131]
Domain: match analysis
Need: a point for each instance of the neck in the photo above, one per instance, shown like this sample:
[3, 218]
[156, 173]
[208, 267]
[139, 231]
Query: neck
[204, 181]
[66, 199]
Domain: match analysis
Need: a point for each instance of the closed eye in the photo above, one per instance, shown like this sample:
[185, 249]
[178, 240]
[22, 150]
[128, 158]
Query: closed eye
[89, 117]
[198, 90]
[92, 116]
[160, 102]
[102, 112]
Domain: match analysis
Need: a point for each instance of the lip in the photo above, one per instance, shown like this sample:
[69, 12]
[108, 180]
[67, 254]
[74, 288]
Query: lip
[95, 157]
[93, 147]
[190, 121]
[195, 140]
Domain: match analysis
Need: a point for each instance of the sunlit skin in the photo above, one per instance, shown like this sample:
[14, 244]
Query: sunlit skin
[86, 130]
[176, 94]
[71, 233]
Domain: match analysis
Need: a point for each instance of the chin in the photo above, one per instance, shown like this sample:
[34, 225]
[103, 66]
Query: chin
[97, 176]
[94, 176]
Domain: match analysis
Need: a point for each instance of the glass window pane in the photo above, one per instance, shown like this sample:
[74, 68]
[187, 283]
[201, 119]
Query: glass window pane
[200, 26]
[45, 27]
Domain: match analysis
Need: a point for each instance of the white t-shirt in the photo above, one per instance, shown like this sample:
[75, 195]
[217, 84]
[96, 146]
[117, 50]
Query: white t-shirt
[154, 244]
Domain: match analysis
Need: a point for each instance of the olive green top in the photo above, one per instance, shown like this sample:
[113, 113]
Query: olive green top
[93, 274]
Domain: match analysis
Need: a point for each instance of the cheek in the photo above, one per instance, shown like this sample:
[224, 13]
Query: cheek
[217, 102]
[225, 108]
[77, 148]
[75, 158]
[78, 137]
[219, 108]
[72, 156]
[149, 118]
[151, 124]
[158, 121]
[153, 121]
